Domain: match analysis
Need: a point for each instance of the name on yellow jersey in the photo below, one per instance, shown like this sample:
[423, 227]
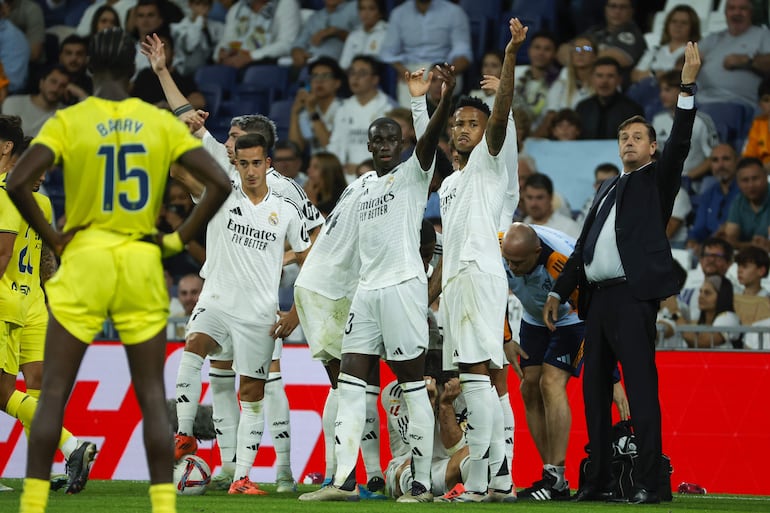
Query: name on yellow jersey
[119, 125]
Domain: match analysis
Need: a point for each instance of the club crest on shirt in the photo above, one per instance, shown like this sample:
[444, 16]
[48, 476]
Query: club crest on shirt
[389, 182]
[273, 218]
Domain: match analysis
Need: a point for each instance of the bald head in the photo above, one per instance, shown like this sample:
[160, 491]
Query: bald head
[521, 248]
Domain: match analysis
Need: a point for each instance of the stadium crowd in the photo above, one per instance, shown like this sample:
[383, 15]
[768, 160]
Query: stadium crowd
[352, 127]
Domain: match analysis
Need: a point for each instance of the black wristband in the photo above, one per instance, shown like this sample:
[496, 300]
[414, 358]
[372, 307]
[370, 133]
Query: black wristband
[690, 88]
[184, 108]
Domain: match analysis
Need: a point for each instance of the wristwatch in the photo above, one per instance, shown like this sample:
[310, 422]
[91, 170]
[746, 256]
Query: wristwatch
[690, 88]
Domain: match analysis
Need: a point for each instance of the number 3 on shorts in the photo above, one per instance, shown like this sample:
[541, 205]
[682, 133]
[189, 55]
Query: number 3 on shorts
[349, 325]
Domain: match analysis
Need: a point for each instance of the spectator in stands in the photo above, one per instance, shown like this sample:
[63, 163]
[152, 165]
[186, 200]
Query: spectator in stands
[312, 114]
[103, 18]
[177, 205]
[574, 83]
[676, 228]
[715, 302]
[35, 109]
[758, 142]
[403, 117]
[148, 17]
[715, 258]
[749, 218]
[565, 126]
[14, 51]
[671, 309]
[603, 112]
[704, 133]
[538, 195]
[491, 66]
[368, 38]
[196, 36]
[714, 203]
[188, 289]
[601, 173]
[73, 57]
[532, 86]
[147, 86]
[351, 121]
[27, 15]
[735, 59]
[287, 160]
[258, 31]
[753, 265]
[682, 24]
[325, 181]
[92, 16]
[324, 33]
[423, 32]
[619, 37]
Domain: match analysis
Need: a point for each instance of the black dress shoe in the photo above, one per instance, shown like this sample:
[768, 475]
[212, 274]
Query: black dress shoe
[589, 493]
[642, 496]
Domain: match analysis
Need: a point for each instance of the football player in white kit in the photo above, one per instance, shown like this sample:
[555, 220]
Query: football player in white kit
[246, 240]
[221, 376]
[387, 315]
[474, 285]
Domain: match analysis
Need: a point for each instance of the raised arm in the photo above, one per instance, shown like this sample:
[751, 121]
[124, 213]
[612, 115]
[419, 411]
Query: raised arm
[496, 127]
[418, 88]
[427, 144]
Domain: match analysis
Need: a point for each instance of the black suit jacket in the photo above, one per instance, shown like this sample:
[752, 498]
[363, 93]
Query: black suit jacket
[644, 204]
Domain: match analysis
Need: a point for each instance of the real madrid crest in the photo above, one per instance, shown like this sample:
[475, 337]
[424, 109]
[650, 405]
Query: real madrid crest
[273, 218]
[390, 181]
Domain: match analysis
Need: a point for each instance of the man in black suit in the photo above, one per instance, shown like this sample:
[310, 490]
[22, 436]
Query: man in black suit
[623, 267]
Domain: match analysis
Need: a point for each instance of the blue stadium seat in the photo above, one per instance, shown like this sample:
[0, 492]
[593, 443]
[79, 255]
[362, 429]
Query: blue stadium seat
[732, 121]
[545, 10]
[490, 9]
[479, 25]
[223, 76]
[646, 93]
[213, 95]
[280, 113]
[503, 35]
[267, 77]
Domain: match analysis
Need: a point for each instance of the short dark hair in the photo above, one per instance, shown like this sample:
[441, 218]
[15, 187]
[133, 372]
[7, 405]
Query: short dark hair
[112, 51]
[10, 130]
[568, 115]
[748, 162]
[95, 18]
[639, 119]
[51, 68]
[544, 34]
[727, 248]
[252, 140]
[607, 61]
[374, 64]
[473, 102]
[607, 167]
[540, 181]
[671, 78]
[754, 255]
[257, 124]
[289, 145]
[329, 63]
[74, 39]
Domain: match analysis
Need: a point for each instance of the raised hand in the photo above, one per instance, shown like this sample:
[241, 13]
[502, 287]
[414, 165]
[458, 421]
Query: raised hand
[691, 63]
[152, 48]
[490, 83]
[447, 75]
[518, 35]
[417, 83]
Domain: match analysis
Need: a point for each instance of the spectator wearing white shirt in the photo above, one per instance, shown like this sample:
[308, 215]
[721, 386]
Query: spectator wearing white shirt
[368, 38]
[352, 119]
[196, 36]
[538, 196]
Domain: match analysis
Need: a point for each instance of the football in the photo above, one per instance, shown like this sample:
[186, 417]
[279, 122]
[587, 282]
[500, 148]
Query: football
[191, 475]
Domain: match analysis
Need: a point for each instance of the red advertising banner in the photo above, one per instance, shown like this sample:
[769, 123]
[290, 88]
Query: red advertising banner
[715, 419]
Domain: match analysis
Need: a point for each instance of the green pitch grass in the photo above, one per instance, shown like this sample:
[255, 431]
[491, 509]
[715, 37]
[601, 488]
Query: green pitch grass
[131, 496]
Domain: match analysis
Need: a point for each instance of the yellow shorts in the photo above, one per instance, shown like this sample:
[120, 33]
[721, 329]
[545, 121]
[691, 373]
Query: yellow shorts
[10, 335]
[103, 277]
[32, 343]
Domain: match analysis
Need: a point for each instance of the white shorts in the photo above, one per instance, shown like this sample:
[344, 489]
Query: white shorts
[323, 321]
[390, 322]
[473, 309]
[249, 345]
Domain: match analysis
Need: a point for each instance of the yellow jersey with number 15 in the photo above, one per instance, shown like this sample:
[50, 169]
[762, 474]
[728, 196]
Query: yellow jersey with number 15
[15, 282]
[115, 157]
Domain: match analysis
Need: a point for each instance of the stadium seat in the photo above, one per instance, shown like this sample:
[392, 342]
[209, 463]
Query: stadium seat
[280, 113]
[224, 76]
[546, 10]
[250, 98]
[213, 95]
[647, 94]
[535, 24]
[479, 25]
[489, 9]
[267, 77]
[732, 120]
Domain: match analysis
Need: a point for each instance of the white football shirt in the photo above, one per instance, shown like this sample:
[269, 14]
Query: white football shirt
[244, 254]
[351, 127]
[332, 266]
[390, 213]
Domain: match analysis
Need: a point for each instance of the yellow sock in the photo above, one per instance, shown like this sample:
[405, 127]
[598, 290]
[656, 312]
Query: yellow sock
[163, 498]
[34, 497]
[22, 406]
[34, 393]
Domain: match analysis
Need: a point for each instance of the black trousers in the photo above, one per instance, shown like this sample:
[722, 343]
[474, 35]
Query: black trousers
[622, 328]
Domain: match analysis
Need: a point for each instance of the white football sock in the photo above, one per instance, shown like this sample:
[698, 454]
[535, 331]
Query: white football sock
[499, 471]
[420, 430]
[350, 424]
[250, 429]
[509, 424]
[328, 419]
[277, 405]
[226, 413]
[188, 391]
[370, 443]
[475, 388]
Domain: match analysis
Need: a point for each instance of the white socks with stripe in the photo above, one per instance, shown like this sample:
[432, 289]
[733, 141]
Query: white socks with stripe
[226, 413]
[370, 443]
[350, 423]
[188, 391]
[328, 419]
[250, 429]
[420, 430]
[476, 389]
[277, 405]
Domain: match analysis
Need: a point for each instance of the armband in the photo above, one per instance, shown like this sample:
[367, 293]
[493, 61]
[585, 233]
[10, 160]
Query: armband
[171, 244]
[184, 108]
[690, 88]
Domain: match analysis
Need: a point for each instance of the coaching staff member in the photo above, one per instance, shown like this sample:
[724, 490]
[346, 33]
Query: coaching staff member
[622, 263]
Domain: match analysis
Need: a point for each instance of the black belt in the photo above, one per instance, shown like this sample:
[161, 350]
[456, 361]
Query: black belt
[604, 284]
